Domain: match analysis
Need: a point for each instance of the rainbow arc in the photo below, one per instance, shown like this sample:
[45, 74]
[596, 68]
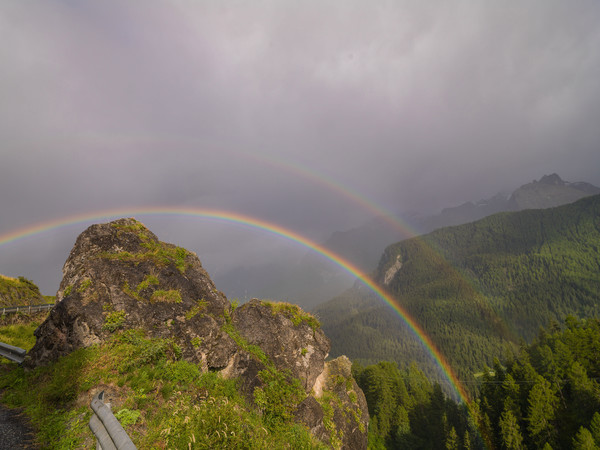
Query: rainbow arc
[233, 217]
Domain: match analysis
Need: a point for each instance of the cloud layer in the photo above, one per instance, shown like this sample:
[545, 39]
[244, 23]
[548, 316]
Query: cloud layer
[413, 105]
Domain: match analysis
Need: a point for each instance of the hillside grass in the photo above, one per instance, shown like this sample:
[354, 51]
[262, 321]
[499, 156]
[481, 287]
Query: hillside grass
[161, 400]
[19, 292]
[17, 329]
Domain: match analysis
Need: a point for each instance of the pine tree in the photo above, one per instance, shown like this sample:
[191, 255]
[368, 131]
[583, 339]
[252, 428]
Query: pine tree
[510, 431]
[542, 410]
[584, 440]
[452, 440]
[595, 428]
[467, 441]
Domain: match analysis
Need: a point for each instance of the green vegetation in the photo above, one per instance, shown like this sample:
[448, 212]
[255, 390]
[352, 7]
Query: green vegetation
[83, 286]
[114, 320]
[149, 280]
[548, 393]
[158, 295]
[293, 312]
[159, 253]
[280, 394]
[407, 411]
[20, 332]
[196, 309]
[475, 289]
[19, 292]
[162, 401]
[136, 227]
[170, 296]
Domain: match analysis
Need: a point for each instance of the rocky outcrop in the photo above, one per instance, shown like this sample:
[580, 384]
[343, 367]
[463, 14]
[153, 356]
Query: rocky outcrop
[345, 417]
[293, 341]
[119, 276]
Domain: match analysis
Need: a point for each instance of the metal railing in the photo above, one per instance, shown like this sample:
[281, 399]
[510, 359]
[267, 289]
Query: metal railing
[109, 433]
[13, 353]
[28, 308]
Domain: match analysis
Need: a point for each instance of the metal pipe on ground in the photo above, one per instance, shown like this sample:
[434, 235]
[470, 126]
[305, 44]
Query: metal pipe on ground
[107, 429]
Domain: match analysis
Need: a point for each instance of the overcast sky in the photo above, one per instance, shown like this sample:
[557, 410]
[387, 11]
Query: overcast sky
[414, 105]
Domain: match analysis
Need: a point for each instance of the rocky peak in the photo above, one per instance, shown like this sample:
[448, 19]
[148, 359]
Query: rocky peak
[119, 276]
[548, 192]
[552, 179]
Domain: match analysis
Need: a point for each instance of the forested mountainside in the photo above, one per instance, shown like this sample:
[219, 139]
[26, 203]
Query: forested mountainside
[19, 291]
[545, 395]
[476, 289]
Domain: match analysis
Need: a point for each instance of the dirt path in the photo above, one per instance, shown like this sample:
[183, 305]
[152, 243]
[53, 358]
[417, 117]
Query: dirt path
[14, 431]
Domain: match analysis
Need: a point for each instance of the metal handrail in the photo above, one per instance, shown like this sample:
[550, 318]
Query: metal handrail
[107, 429]
[24, 308]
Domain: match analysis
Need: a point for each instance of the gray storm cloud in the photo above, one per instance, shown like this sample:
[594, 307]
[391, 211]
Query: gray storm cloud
[416, 105]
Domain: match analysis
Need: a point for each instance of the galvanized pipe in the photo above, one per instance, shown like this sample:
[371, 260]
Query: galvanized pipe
[104, 424]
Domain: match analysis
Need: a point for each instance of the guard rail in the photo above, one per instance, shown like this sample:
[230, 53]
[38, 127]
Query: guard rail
[13, 353]
[27, 308]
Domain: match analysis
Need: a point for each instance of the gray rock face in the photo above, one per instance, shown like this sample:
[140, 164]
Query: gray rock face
[350, 412]
[120, 276]
[298, 347]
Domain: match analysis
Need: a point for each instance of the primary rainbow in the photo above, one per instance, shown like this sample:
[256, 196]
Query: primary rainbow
[253, 222]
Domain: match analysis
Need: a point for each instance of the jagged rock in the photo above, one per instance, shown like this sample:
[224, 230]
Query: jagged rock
[350, 412]
[119, 276]
[340, 416]
[298, 346]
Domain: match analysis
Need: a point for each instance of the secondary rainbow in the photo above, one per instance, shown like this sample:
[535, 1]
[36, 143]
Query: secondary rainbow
[253, 222]
[344, 191]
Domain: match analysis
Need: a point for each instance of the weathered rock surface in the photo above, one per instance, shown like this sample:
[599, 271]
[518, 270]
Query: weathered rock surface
[299, 347]
[120, 276]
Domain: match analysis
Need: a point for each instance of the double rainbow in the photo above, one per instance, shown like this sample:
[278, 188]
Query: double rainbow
[253, 222]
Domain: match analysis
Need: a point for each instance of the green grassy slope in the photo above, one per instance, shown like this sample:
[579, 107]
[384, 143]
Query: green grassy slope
[161, 400]
[19, 291]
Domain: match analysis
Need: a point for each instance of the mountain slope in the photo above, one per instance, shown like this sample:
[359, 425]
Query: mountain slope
[475, 288]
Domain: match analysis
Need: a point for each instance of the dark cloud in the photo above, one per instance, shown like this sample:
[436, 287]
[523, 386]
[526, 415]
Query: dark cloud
[414, 105]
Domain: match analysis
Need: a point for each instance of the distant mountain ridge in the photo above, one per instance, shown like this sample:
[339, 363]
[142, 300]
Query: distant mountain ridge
[364, 245]
[476, 288]
[548, 192]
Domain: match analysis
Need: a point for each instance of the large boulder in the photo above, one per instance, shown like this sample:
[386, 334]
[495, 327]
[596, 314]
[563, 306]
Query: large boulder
[120, 276]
